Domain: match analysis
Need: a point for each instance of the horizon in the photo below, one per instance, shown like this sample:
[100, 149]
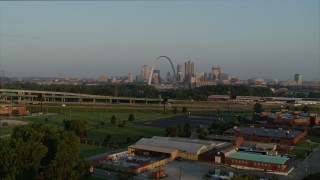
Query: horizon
[113, 38]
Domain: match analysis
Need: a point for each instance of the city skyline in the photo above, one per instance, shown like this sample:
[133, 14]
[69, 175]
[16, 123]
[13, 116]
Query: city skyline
[87, 39]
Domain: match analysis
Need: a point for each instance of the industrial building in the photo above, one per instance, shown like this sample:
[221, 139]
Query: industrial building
[234, 141]
[285, 117]
[169, 147]
[13, 110]
[265, 135]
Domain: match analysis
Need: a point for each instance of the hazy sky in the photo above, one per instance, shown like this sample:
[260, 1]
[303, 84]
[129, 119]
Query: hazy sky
[246, 38]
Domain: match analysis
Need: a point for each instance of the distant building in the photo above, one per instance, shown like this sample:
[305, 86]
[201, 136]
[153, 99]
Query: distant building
[298, 79]
[180, 73]
[257, 81]
[139, 78]
[130, 77]
[156, 76]
[103, 78]
[272, 81]
[189, 71]
[288, 118]
[235, 80]
[223, 78]
[215, 73]
[144, 72]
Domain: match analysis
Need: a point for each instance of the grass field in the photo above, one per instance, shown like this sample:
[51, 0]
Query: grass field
[305, 144]
[88, 150]
[97, 130]
[314, 139]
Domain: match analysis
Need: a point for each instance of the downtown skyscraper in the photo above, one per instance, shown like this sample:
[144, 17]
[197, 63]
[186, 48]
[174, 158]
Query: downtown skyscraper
[144, 72]
[180, 73]
[188, 71]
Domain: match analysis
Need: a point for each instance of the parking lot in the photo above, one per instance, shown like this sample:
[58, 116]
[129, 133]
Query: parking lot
[194, 120]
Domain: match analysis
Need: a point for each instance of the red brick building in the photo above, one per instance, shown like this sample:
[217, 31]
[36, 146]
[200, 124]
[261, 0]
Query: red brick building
[13, 110]
[264, 135]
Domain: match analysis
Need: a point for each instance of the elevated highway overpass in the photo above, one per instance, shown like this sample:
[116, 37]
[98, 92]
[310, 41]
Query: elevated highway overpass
[35, 96]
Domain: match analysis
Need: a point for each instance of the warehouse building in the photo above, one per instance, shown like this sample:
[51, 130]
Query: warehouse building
[234, 141]
[168, 147]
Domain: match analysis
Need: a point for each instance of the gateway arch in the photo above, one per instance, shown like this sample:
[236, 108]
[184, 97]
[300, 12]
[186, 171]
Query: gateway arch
[152, 68]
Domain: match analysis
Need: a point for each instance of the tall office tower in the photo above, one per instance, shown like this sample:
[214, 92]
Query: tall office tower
[223, 77]
[130, 77]
[215, 72]
[144, 72]
[180, 73]
[157, 77]
[298, 78]
[188, 71]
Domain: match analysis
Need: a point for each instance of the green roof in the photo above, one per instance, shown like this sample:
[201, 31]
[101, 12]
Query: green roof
[258, 157]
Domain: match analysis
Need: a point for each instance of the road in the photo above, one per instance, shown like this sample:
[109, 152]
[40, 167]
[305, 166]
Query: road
[306, 166]
[104, 174]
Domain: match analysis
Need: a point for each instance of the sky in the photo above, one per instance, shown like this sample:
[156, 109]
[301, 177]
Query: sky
[246, 38]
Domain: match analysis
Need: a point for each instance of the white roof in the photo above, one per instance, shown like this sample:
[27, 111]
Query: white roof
[191, 146]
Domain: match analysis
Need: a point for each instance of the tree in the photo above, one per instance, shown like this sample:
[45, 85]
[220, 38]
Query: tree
[202, 133]
[113, 119]
[184, 109]
[131, 118]
[128, 140]
[305, 109]
[39, 151]
[78, 126]
[107, 138]
[257, 107]
[187, 130]
[172, 131]
[175, 110]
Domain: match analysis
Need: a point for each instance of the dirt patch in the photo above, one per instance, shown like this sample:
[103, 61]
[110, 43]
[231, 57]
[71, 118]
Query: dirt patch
[10, 122]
